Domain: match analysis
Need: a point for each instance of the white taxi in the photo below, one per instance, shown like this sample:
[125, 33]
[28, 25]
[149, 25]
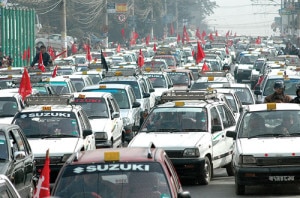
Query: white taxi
[266, 149]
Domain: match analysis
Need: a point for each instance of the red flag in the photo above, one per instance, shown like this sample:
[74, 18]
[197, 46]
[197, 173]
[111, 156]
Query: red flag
[147, 40]
[25, 85]
[216, 33]
[141, 59]
[119, 48]
[182, 39]
[204, 68]
[88, 54]
[41, 65]
[200, 53]
[171, 29]
[28, 54]
[54, 73]
[258, 40]
[154, 47]
[178, 38]
[43, 185]
[211, 37]
[227, 34]
[24, 56]
[74, 48]
[135, 35]
[185, 35]
[51, 52]
[203, 34]
[226, 50]
[123, 33]
[59, 54]
[198, 33]
[193, 53]
[85, 46]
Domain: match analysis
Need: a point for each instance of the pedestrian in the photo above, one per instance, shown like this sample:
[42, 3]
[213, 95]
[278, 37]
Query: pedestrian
[278, 96]
[297, 98]
[47, 61]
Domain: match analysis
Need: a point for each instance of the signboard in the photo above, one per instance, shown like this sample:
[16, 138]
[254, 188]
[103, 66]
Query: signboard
[111, 7]
[121, 7]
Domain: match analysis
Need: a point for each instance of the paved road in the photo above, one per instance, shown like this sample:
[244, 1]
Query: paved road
[222, 186]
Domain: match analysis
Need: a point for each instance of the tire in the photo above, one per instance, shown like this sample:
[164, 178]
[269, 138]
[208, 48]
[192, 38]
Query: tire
[229, 169]
[206, 175]
[239, 189]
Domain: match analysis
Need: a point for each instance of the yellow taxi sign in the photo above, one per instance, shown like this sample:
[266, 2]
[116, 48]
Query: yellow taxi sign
[47, 79]
[279, 73]
[210, 78]
[277, 62]
[173, 70]
[121, 66]
[102, 86]
[38, 73]
[148, 69]
[281, 65]
[9, 76]
[98, 69]
[84, 72]
[187, 67]
[111, 156]
[46, 108]
[118, 73]
[271, 106]
[81, 96]
[9, 68]
[179, 104]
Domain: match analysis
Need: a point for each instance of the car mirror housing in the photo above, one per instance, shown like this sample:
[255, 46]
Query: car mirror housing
[87, 132]
[18, 155]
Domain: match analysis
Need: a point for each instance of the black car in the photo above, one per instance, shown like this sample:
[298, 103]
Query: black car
[16, 159]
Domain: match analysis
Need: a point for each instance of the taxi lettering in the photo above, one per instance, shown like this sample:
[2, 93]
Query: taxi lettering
[50, 114]
[281, 178]
[118, 167]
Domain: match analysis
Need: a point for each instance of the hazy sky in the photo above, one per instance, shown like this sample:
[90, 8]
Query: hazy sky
[245, 17]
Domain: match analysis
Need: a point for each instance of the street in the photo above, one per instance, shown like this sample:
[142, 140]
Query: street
[223, 186]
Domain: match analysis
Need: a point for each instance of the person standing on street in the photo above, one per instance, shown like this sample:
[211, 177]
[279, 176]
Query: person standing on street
[278, 96]
[297, 99]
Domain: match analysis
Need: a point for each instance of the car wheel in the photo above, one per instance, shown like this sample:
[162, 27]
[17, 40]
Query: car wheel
[39, 44]
[229, 169]
[206, 175]
[239, 189]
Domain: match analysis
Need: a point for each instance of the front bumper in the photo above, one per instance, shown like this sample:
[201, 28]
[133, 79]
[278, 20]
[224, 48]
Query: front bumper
[189, 168]
[267, 175]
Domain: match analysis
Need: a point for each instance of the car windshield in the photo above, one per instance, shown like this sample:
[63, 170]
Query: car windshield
[60, 87]
[248, 59]
[158, 80]
[176, 120]
[133, 84]
[48, 124]
[132, 180]
[8, 106]
[244, 95]
[263, 124]
[179, 78]
[290, 86]
[3, 147]
[94, 107]
[204, 85]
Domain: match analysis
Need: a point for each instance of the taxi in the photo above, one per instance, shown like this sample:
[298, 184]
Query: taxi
[274, 130]
[191, 128]
[50, 122]
[103, 112]
[121, 172]
[96, 75]
[10, 104]
[182, 79]
[61, 85]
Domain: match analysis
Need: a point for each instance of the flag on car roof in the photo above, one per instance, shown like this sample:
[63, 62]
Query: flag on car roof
[178, 38]
[211, 37]
[154, 47]
[74, 48]
[141, 59]
[147, 40]
[43, 186]
[51, 52]
[204, 68]
[25, 85]
[171, 29]
[123, 33]
[200, 53]
[203, 34]
[41, 65]
[185, 35]
[54, 73]
[88, 53]
[103, 62]
[118, 48]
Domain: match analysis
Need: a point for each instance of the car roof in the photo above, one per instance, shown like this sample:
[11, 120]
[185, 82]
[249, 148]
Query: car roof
[107, 86]
[278, 106]
[92, 94]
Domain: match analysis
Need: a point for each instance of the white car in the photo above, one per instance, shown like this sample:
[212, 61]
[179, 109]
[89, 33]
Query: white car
[266, 149]
[55, 41]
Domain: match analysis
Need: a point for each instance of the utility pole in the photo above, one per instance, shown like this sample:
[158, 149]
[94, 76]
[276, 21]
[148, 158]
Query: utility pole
[106, 25]
[298, 25]
[176, 10]
[64, 29]
[152, 24]
[166, 11]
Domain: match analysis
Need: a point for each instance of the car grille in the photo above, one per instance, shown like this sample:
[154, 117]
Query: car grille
[175, 154]
[277, 161]
[53, 160]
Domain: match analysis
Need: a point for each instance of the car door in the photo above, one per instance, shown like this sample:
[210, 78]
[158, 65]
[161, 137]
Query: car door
[116, 121]
[89, 141]
[135, 112]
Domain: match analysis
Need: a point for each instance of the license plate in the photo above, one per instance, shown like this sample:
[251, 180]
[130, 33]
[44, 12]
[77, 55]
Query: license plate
[281, 178]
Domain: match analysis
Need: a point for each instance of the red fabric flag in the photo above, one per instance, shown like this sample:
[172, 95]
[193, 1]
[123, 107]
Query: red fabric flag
[59, 54]
[43, 185]
[154, 47]
[226, 50]
[141, 59]
[185, 35]
[203, 34]
[41, 65]
[25, 85]
[74, 48]
[135, 35]
[54, 73]
[85, 46]
[258, 40]
[227, 34]
[172, 29]
[24, 56]
[204, 68]
[28, 54]
[119, 48]
[193, 53]
[51, 52]
[178, 38]
[198, 33]
[211, 37]
[88, 54]
[200, 53]
[147, 40]
[123, 33]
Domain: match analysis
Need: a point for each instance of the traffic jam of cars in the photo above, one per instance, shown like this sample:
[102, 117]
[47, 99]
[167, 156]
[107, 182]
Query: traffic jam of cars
[151, 119]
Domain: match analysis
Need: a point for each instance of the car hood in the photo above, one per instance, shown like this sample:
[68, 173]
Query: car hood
[6, 120]
[167, 140]
[56, 146]
[269, 146]
[100, 125]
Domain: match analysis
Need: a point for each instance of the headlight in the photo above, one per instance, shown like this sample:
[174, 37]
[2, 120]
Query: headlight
[247, 159]
[191, 152]
[126, 121]
[65, 157]
[101, 135]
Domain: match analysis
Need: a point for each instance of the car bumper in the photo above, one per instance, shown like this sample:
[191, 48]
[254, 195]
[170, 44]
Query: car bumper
[267, 175]
[189, 168]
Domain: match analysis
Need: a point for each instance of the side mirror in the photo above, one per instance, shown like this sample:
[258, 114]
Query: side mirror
[115, 115]
[136, 104]
[216, 128]
[152, 90]
[87, 132]
[170, 86]
[146, 95]
[184, 194]
[231, 134]
[18, 155]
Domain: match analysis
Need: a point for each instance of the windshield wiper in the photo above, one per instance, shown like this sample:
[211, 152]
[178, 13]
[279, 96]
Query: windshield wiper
[193, 130]
[96, 116]
[57, 136]
[295, 134]
[263, 135]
